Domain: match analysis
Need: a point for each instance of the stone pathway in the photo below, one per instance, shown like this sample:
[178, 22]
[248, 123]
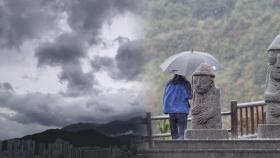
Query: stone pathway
[246, 148]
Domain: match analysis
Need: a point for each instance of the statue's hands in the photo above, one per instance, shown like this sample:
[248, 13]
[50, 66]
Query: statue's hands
[202, 119]
[198, 109]
[205, 116]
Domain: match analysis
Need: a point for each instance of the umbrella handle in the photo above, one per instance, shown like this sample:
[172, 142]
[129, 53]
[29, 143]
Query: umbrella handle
[193, 91]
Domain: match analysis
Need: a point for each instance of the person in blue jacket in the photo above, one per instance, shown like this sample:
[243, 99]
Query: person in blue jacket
[176, 103]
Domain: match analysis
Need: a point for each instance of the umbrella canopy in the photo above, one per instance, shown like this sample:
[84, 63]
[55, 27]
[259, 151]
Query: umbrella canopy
[185, 63]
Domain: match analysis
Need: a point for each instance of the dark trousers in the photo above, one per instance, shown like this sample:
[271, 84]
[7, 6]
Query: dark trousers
[178, 124]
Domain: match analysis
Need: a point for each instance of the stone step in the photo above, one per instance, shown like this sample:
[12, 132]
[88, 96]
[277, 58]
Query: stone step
[139, 156]
[216, 144]
[211, 153]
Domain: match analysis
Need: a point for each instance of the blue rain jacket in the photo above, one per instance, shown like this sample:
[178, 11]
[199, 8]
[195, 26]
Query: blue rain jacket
[175, 98]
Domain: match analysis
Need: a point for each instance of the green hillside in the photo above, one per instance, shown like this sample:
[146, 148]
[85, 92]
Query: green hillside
[236, 32]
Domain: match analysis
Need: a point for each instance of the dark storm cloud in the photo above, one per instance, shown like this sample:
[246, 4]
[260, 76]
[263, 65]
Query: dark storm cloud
[66, 49]
[130, 60]
[86, 17]
[24, 20]
[41, 109]
[66, 52]
[55, 110]
[78, 82]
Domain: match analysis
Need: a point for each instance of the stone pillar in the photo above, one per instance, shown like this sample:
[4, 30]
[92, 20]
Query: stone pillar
[272, 93]
[206, 108]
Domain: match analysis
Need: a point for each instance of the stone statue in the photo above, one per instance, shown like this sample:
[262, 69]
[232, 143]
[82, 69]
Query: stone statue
[271, 129]
[272, 92]
[206, 109]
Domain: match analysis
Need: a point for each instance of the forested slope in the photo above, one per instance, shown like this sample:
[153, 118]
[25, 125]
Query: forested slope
[236, 32]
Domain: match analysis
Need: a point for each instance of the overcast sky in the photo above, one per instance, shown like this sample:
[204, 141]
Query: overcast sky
[68, 61]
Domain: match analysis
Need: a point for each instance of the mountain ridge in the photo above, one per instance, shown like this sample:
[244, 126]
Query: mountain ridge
[111, 128]
[77, 139]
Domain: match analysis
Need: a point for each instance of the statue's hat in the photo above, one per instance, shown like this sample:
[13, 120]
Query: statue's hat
[204, 70]
[275, 44]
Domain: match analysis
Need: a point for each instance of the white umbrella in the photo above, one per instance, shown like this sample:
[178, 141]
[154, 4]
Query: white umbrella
[185, 63]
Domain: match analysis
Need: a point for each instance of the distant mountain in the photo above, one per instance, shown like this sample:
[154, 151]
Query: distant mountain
[85, 138]
[113, 128]
[92, 135]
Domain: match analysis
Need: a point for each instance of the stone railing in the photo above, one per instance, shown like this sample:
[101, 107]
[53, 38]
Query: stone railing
[244, 119]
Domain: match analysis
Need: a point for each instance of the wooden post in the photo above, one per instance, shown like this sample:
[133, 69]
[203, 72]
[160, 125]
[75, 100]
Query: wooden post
[149, 129]
[263, 116]
[252, 120]
[258, 118]
[241, 121]
[247, 120]
[233, 110]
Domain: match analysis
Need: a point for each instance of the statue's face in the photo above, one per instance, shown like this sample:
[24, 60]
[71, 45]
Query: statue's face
[202, 83]
[274, 62]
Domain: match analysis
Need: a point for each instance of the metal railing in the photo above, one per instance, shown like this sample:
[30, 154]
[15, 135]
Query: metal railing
[240, 123]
